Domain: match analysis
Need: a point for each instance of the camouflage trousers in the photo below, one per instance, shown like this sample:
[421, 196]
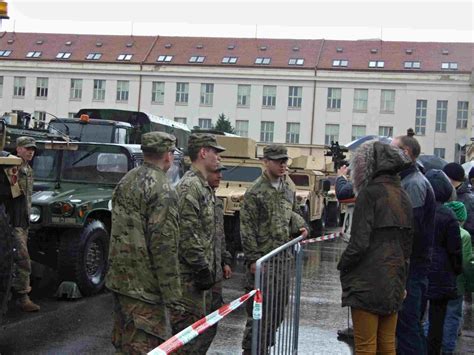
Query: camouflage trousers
[216, 303]
[139, 327]
[275, 299]
[22, 268]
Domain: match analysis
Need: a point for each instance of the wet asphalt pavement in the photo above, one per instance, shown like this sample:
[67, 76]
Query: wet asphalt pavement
[83, 326]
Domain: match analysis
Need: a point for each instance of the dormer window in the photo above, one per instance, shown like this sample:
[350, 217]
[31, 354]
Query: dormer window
[229, 60]
[376, 64]
[197, 59]
[34, 54]
[263, 60]
[63, 55]
[164, 58]
[449, 66]
[296, 61]
[125, 57]
[5, 53]
[340, 63]
[94, 56]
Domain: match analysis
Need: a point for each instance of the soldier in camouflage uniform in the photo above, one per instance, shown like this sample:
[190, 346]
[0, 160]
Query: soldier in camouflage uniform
[269, 218]
[223, 257]
[25, 149]
[144, 268]
[197, 253]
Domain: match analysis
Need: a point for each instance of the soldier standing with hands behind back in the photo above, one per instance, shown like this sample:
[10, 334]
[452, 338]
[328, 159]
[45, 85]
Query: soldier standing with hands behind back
[25, 149]
[268, 219]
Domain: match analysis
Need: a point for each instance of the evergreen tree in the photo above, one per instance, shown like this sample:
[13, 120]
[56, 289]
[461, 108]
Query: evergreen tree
[223, 124]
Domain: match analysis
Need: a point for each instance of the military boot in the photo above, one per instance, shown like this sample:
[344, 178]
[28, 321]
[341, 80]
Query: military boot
[26, 305]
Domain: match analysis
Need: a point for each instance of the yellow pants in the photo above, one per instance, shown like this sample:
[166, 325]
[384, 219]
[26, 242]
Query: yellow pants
[373, 333]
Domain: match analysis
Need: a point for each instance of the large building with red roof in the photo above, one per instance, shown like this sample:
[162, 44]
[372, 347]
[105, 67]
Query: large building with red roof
[300, 92]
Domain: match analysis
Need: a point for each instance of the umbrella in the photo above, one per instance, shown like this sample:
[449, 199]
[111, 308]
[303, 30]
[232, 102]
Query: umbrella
[357, 142]
[431, 162]
[468, 166]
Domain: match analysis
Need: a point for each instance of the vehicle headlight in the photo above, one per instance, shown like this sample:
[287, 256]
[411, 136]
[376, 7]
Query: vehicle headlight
[35, 214]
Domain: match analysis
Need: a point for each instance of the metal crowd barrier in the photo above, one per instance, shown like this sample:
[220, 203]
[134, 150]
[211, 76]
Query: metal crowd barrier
[278, 276]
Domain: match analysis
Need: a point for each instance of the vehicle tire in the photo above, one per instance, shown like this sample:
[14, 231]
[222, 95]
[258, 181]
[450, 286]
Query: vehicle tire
[332, 215]
[6, 261]
[83, 257]
[317, 227]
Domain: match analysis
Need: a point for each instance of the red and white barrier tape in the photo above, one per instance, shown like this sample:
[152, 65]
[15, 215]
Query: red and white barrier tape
[188, 334]
[322, 238]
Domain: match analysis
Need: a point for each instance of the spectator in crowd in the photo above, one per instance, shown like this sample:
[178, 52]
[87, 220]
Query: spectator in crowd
[344, 188]
[455, 173]
[471, 178]
[374, 266]
[410, 335]
[446, 260]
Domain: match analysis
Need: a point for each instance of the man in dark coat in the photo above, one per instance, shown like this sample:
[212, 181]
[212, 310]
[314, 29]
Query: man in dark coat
[446, 260]
[374, 266]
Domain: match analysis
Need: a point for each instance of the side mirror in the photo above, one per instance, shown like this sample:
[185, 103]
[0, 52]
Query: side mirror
[326, 185]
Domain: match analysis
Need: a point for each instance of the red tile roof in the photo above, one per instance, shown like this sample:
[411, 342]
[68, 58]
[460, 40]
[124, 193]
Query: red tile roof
[316, 53]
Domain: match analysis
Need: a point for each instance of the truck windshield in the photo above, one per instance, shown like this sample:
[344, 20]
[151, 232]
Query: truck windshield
[241, 173]
[85, 132]
[300, 180]
[45, 164]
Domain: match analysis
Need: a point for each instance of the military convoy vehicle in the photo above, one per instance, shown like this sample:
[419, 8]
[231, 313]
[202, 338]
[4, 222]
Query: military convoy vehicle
[312, 187]
[9, 189]
[70, 218]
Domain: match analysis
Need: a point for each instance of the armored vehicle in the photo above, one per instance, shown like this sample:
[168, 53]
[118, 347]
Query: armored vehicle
[70, 219]
[312, 187]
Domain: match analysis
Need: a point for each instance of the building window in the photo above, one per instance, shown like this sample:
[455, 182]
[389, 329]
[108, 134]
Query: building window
[122, 90]
[296, 61]
[295, 96]
[386, 131]
[125, 57]
[420, 117]
[360, 100]
[180, 120]
[243, 95]
[463, 110]
[1, 86]
[340, 63]
[441, 115]
[5, 53]
[269, 96]
[205, 123]
[197, 59]
[158, 92]
[440, 152]
[229, 60]
[98, 90]
[449, 66]
[263, 60]
[182, 93]
[334, 99]
[292, 132]
[207, 94]
[266, 131]
[63, 55]
[331, 134]
[242, 128]
[41, 87]
[93, 56]
[387, 101]
[40, 119]
[412, 65]
[76, 89]
[164, 58]
[19, 86]
[358, 132]
[459, 153]
[33, 54]
[71, 114]
[376, 64]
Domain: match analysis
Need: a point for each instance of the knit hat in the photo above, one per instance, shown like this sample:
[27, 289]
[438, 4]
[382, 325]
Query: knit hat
[459, 210]
[454, 171]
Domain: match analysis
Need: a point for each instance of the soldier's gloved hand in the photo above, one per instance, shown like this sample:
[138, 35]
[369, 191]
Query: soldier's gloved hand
[204, 279]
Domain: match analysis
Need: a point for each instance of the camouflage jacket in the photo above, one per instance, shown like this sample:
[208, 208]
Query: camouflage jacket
[268, 217]
[223, 257]
[25, 180]
[198, 227]
[144, 242]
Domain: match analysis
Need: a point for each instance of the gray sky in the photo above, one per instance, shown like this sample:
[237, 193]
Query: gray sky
[416, 20]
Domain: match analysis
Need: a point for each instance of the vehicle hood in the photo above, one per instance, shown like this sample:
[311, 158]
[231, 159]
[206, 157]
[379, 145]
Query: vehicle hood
[75, 193]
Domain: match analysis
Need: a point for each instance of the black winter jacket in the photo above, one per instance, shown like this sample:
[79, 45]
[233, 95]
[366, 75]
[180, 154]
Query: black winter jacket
[466, 196]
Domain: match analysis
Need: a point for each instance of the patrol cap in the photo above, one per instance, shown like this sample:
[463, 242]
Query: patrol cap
[275, 152]
[203, 140]
[26, 142]
[158, 142]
